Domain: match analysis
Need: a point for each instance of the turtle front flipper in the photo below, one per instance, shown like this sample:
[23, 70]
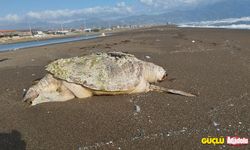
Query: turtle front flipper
[78, 90]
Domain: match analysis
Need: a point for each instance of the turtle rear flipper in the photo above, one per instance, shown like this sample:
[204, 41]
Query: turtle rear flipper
[171, 91]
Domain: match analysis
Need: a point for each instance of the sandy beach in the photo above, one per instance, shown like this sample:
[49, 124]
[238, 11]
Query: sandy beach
[213, 63]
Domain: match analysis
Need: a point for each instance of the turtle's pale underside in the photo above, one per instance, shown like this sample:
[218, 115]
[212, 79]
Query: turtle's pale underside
[97, 74]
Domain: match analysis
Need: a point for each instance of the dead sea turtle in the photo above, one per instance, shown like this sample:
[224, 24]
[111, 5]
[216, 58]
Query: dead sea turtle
[109, 73]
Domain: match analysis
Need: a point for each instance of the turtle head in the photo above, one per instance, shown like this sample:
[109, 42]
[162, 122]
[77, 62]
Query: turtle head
[35, 96]
[154, 73]
[45, 90]
[30, 95]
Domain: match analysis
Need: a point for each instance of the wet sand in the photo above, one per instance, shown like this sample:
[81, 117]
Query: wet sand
[213, 63]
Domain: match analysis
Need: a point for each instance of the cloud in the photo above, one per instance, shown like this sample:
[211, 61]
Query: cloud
[68, 15]
[119, 9]
[52, 14]
[148, 2]
[168, 4]
[11, 18]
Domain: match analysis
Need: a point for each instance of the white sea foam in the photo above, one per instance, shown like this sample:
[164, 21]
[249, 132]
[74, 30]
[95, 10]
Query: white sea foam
[233, 26]
[229, 23]
[223, 21]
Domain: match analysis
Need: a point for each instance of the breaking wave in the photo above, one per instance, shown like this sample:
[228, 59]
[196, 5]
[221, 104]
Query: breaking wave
[229, 23]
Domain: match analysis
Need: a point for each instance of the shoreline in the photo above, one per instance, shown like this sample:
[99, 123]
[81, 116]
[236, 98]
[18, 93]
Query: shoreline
[70, 39]
[30, 39]
[99, 33]
[66, 40]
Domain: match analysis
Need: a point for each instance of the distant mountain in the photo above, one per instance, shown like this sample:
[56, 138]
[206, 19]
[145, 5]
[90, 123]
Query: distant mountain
[221, 10]
[215, 11]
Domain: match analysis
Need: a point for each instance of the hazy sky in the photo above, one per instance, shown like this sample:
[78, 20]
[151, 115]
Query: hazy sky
[16, 11]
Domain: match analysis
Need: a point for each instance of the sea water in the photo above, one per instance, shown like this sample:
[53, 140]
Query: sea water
[16, 46]
[229, 23]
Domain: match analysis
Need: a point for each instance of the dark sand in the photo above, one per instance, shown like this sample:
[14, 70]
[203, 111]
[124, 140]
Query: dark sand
[216, 66]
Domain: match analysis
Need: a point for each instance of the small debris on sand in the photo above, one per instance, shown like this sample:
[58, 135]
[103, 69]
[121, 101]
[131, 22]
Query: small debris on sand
[4, 59]
[215, 124]
[148, 57]
[137, 109]
[15, 49]
[24, 91]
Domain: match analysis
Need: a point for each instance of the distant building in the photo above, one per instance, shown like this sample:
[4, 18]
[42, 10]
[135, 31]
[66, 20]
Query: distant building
[23, 33]
[39, 34]
[8, 33]
[108, 29]
[88, 30]
[62, 32]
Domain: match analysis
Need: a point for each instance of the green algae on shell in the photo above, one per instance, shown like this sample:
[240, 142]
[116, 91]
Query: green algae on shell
[114, 71]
